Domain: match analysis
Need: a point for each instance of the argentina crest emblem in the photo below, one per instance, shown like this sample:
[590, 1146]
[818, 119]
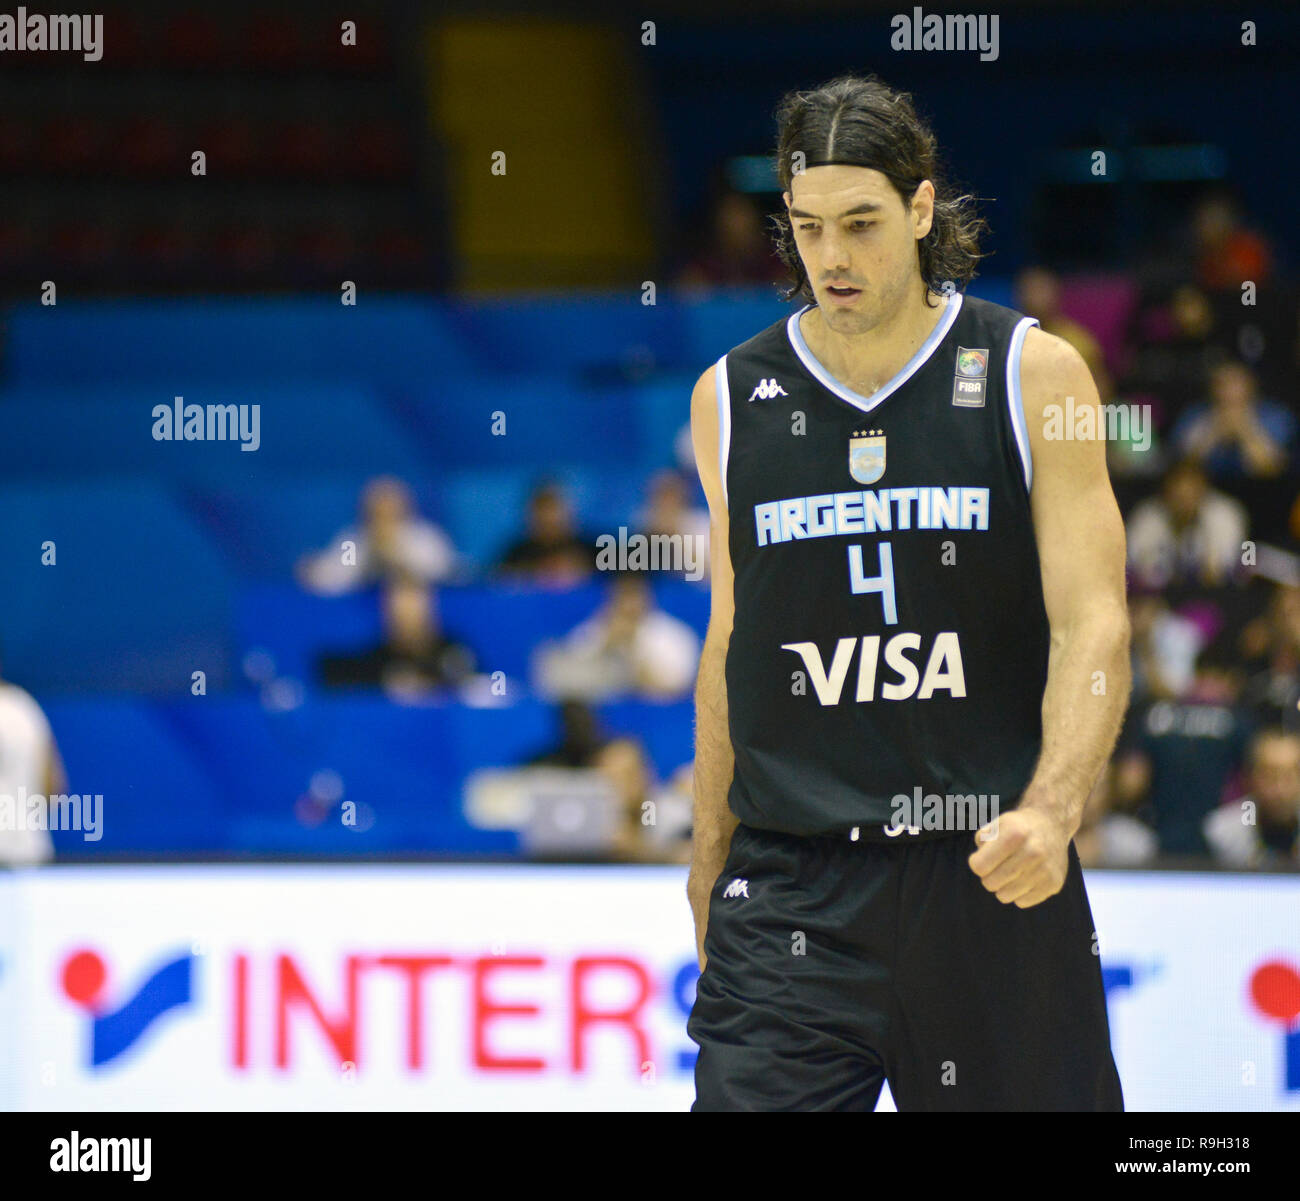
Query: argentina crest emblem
[867, 455]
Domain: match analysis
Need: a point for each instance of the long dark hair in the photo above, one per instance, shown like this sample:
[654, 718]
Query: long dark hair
[862, 121]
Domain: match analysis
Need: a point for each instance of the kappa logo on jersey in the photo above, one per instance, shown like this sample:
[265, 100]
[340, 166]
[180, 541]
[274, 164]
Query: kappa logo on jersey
[767, 389]
[972, 375]
[737, 888]
[867, 456]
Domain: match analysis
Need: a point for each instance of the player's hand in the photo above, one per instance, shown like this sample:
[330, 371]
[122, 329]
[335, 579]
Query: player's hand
[1022, 856]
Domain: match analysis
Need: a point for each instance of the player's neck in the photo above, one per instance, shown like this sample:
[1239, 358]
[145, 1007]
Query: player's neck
[865, 362]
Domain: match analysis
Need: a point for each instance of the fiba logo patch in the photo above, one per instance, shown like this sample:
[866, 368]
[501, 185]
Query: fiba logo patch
[970, 378]
[867, 455]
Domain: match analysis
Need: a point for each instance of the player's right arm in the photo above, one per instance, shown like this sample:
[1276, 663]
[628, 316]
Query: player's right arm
[714, 822]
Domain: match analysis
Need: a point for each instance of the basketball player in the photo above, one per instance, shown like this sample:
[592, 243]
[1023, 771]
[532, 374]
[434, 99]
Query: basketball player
[918, 595]
[31, 771]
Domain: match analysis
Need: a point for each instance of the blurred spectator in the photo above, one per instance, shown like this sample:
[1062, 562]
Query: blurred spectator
[30, 767]
[1189, 535]
[415, 658]
[1236, 433]
[627, 649]
[1038, 294]
[552, 551]
[1293, 519]
[390, 540]
[1272, 692]
[739, 252]
[1164, 646]
[1180, 756]
[684, 453]
[580, 738]
[1107, 838]
[668, 511]
[1262, 333]
[1176, 345]
[1262, 829]
[1227, 253]
[655, 823]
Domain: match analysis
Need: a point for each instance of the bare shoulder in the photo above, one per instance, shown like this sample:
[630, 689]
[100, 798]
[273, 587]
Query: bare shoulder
[1057, 391]
[704, 427]
[706, 391]
[1051, 368]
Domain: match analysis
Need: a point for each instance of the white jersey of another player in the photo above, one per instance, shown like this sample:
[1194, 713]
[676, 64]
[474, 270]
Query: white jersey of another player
[28, 766]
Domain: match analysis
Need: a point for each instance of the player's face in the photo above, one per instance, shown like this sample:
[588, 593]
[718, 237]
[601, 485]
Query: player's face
[853, 229]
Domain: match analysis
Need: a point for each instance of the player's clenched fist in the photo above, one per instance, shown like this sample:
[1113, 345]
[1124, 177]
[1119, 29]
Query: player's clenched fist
[1022, 856]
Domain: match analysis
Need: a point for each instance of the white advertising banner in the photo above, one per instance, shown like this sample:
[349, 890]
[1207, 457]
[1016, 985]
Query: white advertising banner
[528, 988]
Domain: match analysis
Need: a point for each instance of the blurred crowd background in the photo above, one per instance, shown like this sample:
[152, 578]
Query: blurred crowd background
[389, 630]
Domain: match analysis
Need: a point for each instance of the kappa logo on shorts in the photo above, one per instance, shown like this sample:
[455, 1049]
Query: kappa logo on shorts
[895, 831]
[737, 888]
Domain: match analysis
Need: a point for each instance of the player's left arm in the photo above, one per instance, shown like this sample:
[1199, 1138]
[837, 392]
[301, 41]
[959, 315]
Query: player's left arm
[1023, 855]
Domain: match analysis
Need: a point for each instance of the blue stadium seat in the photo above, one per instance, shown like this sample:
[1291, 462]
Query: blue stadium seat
[389, 341]
[137, 600]
[223, 776]
[667, 731]
[106, 429]
[157, 796]
[717, 323]
[548, 418]
[603, 332]
[295, 628]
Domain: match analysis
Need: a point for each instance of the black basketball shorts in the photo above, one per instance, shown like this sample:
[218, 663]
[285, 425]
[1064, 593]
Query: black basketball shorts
[833, 966]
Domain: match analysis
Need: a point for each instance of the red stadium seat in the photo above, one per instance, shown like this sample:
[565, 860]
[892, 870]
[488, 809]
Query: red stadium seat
[71, 142]
[397, 248]
[164, 246]
[325, 248]
[154, 145]
[371, 53]
[273, 41]
[379, 149]
[243, 250]
[233, 146]
[82, 244]
[305, 148]
[18, 243]
[194, 40]
[18, 143]
[127, 43]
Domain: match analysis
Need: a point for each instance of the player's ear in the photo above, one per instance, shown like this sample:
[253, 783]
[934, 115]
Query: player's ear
[789, 200]
[923, 208]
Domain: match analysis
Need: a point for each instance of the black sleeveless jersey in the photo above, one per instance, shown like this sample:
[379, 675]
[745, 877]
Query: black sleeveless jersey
[890, 640]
